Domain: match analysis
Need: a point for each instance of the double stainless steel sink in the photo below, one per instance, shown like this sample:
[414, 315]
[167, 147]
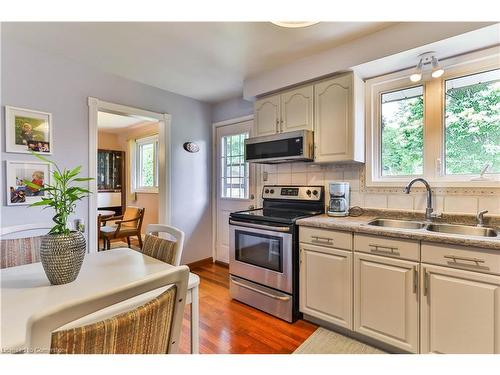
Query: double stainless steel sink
[463, 230]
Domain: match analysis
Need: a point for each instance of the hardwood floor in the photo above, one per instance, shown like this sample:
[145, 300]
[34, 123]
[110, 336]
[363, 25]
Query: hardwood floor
[228, 326]
[231, 327]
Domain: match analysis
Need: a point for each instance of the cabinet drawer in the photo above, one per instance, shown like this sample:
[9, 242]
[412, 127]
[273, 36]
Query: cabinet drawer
[396, 248]
[470, 258]
[324, 237]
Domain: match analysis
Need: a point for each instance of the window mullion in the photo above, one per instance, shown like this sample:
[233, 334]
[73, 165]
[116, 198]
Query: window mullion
[433, 128]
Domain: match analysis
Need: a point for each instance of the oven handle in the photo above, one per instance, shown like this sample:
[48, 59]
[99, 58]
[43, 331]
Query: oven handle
[259, 291]
[259, 226]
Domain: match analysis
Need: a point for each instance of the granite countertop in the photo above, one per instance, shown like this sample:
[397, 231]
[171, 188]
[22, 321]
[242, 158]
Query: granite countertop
[359, 224]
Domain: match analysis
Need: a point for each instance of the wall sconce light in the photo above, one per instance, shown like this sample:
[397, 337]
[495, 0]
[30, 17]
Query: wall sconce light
[427, 59]
[191, 147]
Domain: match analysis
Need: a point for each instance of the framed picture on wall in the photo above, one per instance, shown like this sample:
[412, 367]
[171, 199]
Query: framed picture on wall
[20, 171]
[27, 130]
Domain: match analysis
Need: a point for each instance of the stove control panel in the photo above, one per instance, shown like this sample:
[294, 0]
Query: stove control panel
[310, 193]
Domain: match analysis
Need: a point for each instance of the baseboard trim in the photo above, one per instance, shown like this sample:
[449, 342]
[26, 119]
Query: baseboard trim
[219, 263]
[200, 262]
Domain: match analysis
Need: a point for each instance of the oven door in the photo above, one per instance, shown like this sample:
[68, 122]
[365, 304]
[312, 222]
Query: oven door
[262, 254]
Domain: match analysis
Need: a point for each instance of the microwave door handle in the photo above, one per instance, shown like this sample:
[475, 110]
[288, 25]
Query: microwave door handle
[259, 226]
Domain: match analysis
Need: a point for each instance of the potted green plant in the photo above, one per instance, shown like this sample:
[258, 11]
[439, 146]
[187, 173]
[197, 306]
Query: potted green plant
[62, 250]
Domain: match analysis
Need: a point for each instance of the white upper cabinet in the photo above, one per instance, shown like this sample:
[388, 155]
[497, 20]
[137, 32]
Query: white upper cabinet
[292, 110]
[267, 115]
[339, 119]
[460, 311]
[297, 109]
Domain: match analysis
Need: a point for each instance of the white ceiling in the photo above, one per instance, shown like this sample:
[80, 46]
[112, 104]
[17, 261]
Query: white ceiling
[204, 60]
[110, 122]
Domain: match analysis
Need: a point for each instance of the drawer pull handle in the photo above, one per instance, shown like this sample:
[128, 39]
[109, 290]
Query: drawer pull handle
[281, 298]
[426, 282]
[415, 279]
[383, 249]
[322, 239]
[455, 258]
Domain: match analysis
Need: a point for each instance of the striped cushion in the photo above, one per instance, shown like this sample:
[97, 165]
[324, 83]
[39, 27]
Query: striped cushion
[19, 251]
[144, 330]
[159, 248]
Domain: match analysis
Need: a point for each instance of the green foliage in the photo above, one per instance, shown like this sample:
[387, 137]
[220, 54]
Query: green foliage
[403, 138]
[147, 172]
[472, 132]
[473, 128]
[62, 195]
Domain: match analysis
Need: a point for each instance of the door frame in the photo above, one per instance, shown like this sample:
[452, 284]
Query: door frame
[216, 125]
[164, 157]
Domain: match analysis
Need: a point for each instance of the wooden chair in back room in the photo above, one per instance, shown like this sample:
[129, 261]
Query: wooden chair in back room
[125, 226]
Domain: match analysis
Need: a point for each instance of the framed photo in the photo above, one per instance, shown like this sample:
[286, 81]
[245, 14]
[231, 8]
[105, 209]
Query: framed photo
[27, 130]
[17, 172]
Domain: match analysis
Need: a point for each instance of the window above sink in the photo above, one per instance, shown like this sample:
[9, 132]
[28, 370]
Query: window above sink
[446, 130]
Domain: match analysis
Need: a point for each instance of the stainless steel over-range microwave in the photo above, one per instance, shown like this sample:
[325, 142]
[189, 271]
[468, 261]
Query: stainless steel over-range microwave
[280, 148]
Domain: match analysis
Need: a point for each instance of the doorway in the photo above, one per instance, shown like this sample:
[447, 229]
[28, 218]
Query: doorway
[235, 181]
[140, 141]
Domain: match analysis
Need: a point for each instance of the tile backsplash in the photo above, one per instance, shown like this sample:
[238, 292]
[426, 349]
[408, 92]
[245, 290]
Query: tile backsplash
[394, 198]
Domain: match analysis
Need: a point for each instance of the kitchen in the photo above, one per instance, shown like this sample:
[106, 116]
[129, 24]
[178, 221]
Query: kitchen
[341, 199]
[351, 260]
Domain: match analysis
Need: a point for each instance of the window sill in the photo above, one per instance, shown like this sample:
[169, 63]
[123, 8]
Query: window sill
[146, 191]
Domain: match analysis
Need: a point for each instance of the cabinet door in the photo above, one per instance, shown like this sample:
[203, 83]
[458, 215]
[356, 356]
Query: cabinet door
[333, 131]
[297, 109]
[386, 300]
[326, 284]
[267, 115]
[460, 311]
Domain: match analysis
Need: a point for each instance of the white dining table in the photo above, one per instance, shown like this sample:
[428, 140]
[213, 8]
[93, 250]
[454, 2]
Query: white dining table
[25, 290]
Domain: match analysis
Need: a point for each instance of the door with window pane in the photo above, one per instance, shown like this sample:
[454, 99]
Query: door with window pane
[235, 177]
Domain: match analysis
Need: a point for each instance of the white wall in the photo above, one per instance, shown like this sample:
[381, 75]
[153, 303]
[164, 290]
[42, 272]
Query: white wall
[232, 108]
[34, 79]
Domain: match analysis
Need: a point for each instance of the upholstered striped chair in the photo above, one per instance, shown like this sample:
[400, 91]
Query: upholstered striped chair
[169, 249]
[152, 327]
[21, 244]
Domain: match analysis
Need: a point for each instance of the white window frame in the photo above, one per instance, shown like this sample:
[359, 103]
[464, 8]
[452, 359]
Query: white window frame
[135, 161]
[246, 168]
[434, 122]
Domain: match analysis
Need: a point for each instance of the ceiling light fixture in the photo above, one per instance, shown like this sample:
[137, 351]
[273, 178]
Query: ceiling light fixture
[417, 74]
[427, 59]
[437, 71]
[293, 24]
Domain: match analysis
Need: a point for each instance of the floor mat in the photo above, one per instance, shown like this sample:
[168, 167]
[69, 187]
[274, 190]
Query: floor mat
[324, 341]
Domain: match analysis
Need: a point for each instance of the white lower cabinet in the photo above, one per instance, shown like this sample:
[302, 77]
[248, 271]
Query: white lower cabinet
[386, 300]
[326, 284]
[418, 297]
[460, 311]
